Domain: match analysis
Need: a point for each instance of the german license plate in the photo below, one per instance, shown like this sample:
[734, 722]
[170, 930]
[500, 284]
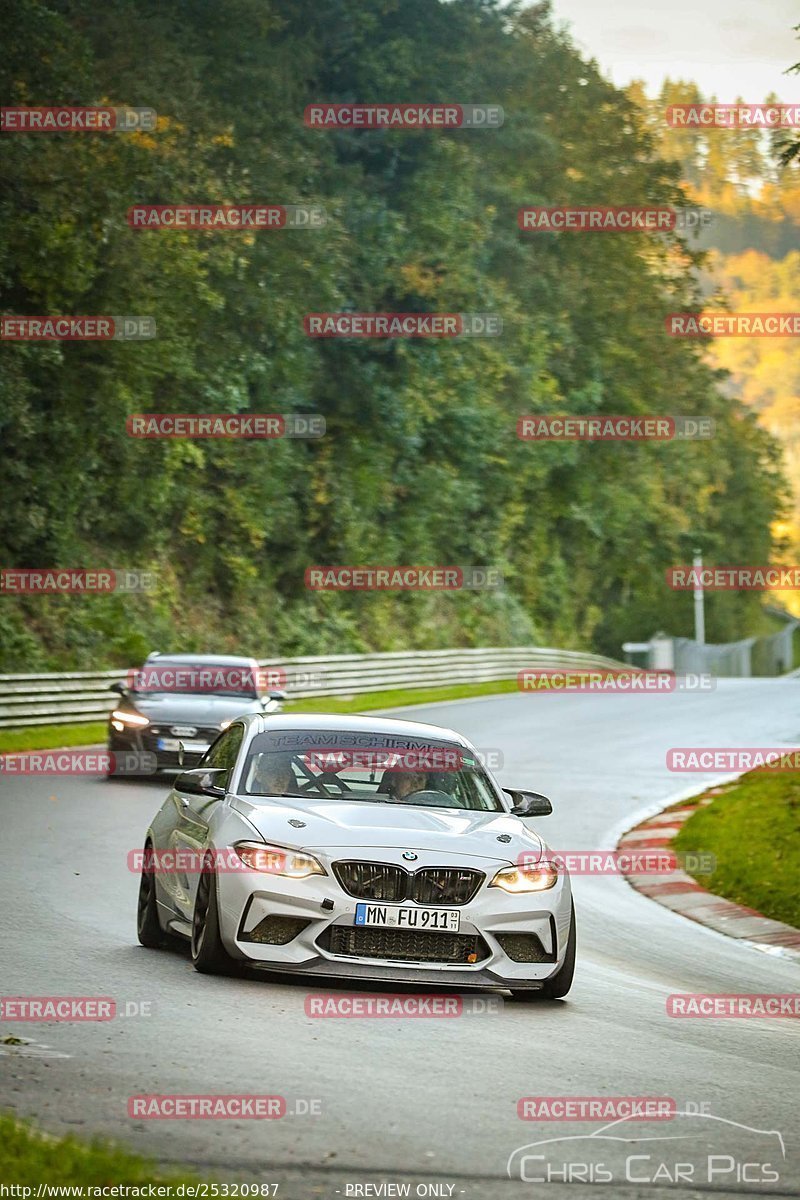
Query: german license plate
[173, 744]
[396, 916]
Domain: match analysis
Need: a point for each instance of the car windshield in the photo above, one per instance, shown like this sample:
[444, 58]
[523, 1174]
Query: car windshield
[371, 767]
[196, 678]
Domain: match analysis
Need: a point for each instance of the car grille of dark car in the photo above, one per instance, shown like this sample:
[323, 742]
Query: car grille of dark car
[205, 733]
[404, 945]
[432, 885]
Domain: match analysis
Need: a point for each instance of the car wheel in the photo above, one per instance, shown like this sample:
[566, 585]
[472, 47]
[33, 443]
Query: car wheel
[148, 926]
[110, 773]
[209, 956]
[559, 984]
[113, 774]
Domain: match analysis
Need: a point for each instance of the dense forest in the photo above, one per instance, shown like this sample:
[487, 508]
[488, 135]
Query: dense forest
[421, 463]
[748, 183]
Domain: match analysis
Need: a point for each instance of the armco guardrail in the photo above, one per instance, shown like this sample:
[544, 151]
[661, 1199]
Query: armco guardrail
[70, 698]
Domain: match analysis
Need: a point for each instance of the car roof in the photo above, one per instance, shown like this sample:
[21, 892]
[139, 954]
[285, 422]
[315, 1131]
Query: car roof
[354, 723]
[212, 660]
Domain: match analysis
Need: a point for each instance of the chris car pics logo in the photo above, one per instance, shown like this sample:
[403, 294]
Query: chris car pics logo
[698, 1149]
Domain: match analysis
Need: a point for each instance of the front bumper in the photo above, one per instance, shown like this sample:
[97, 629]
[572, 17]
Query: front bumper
[248, 900]
[145, 741]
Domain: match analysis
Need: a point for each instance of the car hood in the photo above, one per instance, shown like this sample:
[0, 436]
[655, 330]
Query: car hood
[169, 708]
[360, 827]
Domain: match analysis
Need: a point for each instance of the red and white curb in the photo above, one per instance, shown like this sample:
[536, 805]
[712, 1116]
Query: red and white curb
[685, 896]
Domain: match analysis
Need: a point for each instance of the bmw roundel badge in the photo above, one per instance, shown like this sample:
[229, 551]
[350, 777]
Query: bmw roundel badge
[409, 856]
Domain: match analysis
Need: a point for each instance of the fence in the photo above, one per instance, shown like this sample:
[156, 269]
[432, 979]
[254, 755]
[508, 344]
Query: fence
[73, 697]
[769, 655]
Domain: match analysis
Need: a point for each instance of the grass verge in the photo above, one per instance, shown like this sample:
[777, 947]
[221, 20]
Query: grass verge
[28, 1158]
[399, 697]
[47, 737]
[753, 829]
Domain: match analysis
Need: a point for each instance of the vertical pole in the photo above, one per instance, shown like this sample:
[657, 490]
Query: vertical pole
[699, 601]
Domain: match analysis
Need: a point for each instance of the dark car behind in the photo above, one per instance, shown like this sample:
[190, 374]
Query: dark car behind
[185, 699]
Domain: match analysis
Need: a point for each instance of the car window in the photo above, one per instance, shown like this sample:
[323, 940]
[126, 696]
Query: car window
[223, 752]
[162, 675]
[368, 767]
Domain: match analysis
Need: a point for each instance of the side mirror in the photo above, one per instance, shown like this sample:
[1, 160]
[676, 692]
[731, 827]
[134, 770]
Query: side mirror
[529, 804]
[118, 687]
[203, 781]
[276, 695]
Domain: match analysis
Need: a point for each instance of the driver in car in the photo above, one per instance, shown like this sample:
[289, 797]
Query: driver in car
[273, 775]
[402, 783]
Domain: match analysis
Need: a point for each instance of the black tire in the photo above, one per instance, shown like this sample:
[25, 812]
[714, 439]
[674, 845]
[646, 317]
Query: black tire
[148, 926]
[111, 750]
[114, 774]
[209, 956]
[559, 984]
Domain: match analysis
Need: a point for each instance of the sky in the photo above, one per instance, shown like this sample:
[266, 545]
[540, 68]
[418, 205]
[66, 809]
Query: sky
[728, 47]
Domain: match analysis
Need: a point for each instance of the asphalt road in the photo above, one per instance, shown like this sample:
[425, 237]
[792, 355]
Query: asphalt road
[431, 1104]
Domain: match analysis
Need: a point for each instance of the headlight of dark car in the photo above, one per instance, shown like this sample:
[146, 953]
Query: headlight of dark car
[122, 720]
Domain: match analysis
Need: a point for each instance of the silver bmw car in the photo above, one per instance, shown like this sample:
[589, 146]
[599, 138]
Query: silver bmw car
[360, 848]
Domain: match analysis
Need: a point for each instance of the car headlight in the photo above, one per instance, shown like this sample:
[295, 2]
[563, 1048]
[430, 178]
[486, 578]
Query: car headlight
[277, 860]
[121, 720]
[537, 877]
